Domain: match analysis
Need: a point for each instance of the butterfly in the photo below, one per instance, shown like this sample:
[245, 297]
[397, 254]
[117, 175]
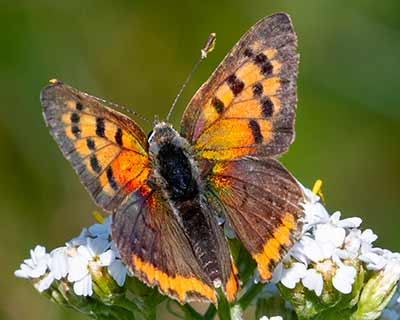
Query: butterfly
[165, 191]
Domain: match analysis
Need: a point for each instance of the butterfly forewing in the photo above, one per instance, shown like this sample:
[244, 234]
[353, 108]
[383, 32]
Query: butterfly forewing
[107, 150]
[248, 104]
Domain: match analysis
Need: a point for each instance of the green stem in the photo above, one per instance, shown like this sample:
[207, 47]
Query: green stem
[210, 313]
[190, 313]
[250, 294]
[127, 304]
[224, 308]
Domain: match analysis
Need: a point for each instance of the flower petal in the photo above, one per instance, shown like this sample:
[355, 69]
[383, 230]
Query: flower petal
[330, 233]
[97, 246]
[344, 278]
[83, 287]
[78, 269]
[106, 258]
[118, 271]
[313, 281]
[292, 275]
[59, 263]
[45, 283]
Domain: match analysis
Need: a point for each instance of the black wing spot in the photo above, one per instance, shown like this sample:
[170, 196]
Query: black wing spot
[257, 89]
[94, 163]
[75, 117]
[235, 84]
[265, 65]
[111, 179]
[100, 127]
[218, 105]
[90, 144]
[76, 131]
[256, 131]
[248, 52]
[79, 106]
[267, 107]
[118, 136]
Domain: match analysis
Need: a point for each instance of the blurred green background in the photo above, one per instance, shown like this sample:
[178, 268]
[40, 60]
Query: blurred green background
[138, 53]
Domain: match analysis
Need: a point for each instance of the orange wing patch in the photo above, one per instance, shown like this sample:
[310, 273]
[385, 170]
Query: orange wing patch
[106, 148]
[271, 249]
[177, 285]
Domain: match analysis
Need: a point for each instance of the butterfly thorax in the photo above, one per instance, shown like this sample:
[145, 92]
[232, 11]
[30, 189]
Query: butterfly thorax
[176, 173]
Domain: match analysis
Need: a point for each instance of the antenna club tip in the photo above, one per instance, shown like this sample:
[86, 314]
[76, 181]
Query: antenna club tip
[209, 45]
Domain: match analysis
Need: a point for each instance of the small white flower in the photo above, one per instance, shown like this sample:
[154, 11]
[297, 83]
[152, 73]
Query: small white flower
[374, 259]
[330, 233]
[293, 275]
[367, 238]
[345, 223]
[334, 230]
[59, 263]
[95, 254]
[315, 250]
[36, 266]
[344, 278]
[313, 281]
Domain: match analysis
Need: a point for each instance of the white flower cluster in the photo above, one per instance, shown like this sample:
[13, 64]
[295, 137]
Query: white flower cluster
[76, 261]
[330, 250]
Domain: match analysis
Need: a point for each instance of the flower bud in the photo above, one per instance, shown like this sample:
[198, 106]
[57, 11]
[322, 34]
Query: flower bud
[378, 291]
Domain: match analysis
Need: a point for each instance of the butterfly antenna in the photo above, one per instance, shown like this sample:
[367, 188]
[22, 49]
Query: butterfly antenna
[207, 48]
[120, 107]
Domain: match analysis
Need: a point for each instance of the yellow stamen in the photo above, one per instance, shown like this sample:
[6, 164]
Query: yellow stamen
[317, 189]
[98, 217]
[53, 81]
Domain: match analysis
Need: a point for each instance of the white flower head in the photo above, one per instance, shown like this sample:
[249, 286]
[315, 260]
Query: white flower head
[36, 266]
[94, 254]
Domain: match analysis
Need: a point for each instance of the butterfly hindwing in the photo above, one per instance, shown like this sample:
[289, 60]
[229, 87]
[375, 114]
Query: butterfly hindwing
[154, 246]
[262, 203]
[247, 107]
[106, 148]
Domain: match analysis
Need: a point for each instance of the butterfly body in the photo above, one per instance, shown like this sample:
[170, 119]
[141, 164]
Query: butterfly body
[166, 192]
[176, 173]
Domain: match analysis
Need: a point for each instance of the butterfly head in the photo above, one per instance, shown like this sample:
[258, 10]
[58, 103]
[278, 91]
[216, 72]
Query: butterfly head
[163, 133]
